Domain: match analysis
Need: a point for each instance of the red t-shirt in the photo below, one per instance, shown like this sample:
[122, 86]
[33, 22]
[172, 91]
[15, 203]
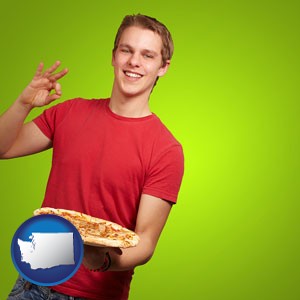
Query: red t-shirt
[102, 164]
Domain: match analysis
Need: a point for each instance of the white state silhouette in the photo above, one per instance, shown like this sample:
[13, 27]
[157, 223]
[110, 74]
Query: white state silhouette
[47, 250]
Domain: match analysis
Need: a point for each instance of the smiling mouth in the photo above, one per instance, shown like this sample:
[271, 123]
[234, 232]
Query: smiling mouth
[132, 74]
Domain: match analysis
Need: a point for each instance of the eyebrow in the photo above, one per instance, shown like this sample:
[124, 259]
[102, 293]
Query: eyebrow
[143, 50]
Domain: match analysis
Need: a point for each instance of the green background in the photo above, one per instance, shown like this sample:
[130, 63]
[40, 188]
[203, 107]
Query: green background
[231, 97]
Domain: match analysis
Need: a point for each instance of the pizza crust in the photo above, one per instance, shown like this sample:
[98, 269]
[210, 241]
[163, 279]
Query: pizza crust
[95, 231]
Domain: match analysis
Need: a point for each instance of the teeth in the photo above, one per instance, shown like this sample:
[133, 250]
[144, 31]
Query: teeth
[133, 75]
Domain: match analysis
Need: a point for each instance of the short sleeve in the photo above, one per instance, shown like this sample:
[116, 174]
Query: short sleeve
[52, 117]
[165, 175]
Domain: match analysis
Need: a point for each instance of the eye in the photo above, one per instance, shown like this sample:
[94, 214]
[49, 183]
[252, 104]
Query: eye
[125, 50]
[148, 55]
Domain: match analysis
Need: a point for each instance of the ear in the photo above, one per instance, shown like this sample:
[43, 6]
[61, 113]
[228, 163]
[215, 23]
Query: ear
[163, 69]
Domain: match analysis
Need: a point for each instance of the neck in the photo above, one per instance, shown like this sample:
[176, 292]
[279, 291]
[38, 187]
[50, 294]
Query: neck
[128, 106]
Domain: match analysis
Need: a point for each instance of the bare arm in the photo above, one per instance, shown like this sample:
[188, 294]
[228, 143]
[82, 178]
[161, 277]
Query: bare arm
[17, 138]
[152, 216]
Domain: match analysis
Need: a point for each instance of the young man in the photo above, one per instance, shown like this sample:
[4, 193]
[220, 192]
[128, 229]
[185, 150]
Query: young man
[112, 158]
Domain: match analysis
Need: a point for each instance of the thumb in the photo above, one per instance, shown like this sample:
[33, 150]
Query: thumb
[57, 88]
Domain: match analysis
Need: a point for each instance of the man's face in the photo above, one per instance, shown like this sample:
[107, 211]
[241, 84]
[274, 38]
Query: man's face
[137, 62]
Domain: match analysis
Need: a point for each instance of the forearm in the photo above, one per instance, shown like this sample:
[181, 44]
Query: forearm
[132, 257]
[152, 215]
[11, 123]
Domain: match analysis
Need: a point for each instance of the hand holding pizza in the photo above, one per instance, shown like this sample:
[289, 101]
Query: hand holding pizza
[94, 258]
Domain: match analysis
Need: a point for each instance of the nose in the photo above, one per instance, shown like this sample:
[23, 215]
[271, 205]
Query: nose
[134, 60]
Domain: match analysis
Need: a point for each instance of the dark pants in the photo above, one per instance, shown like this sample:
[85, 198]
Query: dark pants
[24, 290]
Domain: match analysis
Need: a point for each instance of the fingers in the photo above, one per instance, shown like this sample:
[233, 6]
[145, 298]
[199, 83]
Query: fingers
[52, 69]
[48, 74]
[39, 70]
[51, 80]
[57, 88]
[51, 98]
[56, 95]
[59, 75]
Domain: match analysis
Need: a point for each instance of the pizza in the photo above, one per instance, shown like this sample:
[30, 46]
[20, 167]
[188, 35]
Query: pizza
[95, 231]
